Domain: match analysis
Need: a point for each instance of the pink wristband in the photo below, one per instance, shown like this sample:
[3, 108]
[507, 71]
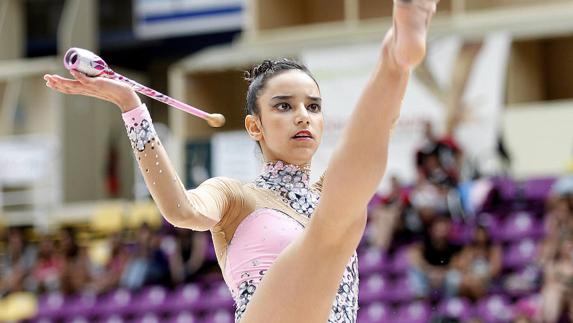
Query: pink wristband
[139, 127]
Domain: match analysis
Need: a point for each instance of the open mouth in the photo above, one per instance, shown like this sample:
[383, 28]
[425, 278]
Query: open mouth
[303, 135]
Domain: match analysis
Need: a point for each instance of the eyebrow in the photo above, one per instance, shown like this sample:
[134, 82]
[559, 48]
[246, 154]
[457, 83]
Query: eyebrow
[287, 97]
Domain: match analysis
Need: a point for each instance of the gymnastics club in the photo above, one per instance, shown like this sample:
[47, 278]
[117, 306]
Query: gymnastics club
[90, 64]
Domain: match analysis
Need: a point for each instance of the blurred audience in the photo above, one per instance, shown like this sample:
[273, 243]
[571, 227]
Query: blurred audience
[480, 263]
[48, 267]
[450, 254]
[557, 292]
[432, 261]
[58, 262]
[16, 263]
[76, 268]
[149, 264]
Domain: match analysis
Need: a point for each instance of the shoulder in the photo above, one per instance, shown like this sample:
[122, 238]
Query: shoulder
[224, 184]
[222, 181]
[230, 187]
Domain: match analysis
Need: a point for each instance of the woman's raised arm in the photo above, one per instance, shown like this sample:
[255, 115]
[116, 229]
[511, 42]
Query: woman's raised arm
[198, 209]
[359, 161]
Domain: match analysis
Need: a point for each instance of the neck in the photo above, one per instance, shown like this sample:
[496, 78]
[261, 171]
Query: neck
[274, 170]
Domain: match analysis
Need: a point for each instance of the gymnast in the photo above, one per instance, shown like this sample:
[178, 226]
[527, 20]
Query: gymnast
[286, 247]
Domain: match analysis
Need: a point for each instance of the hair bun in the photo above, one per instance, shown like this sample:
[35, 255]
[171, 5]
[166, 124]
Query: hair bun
[258, 70]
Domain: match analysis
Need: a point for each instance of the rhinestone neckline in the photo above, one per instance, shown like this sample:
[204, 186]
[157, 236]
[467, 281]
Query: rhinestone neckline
[291, 183]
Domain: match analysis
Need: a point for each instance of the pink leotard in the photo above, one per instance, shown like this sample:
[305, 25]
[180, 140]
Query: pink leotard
[255, 221]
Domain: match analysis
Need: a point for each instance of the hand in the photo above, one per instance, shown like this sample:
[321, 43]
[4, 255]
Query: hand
[109, 90]
[408, 35]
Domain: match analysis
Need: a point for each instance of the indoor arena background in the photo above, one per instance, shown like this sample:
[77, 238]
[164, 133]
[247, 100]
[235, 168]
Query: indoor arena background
[481, 159]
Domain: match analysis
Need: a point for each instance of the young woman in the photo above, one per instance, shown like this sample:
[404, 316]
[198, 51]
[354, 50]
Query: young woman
[282, 253]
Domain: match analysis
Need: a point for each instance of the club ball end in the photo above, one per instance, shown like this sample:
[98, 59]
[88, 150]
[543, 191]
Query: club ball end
[216, 120]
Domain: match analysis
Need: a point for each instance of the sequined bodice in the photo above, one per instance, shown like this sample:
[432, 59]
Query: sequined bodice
[290, 184]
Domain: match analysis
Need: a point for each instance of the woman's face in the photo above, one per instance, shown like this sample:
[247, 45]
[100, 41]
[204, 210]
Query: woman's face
[290, 122]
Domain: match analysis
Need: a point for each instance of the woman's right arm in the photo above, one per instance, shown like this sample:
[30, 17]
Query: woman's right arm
[199, 209]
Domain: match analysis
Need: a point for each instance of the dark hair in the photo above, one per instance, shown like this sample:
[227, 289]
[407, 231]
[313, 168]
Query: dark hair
[260, 74]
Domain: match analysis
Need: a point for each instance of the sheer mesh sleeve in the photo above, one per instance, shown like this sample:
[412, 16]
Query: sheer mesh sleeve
[198, 209]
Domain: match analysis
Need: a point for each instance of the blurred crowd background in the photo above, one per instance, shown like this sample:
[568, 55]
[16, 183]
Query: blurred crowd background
[473, 222]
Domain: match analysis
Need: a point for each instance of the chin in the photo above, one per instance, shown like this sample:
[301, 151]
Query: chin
[301, 158]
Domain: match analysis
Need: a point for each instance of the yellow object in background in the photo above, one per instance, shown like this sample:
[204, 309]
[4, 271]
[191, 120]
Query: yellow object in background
[108, 217]
[18, 306]
[143, 212]
[99, 252]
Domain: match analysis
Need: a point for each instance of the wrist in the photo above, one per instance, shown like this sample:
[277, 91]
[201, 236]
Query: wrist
[129, 102]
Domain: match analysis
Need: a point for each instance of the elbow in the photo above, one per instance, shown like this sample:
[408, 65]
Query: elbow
[185, 217]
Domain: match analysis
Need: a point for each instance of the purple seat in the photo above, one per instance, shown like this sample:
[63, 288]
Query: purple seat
[374, 313]
[184, 317]
[493, 224]
[455, 308]
[461, 233]
[147, 318]
[495, 309]
[538, 188]
[374, 288]
[372, 260]
[218, 297]
[220, 316]
[115, 302]
[400, 261]
[51, 305]
[415, 312]
[520, 254]
[42, 320]
[77, 319]
[185, 298]
[81, 305]
[521, 225]
[523, 282]
[151, 299]
[402, 290]
[114, 318]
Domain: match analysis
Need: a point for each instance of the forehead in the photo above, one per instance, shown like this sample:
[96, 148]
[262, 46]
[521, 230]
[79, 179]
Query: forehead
[291, 82]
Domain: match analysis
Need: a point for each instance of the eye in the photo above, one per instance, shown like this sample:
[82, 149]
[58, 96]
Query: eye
[314, 108]
[283, 106]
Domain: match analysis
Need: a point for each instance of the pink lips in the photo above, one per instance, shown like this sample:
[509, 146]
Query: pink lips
[303, 135]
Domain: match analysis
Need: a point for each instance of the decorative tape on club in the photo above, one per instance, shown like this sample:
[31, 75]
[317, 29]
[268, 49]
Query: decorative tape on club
[92, 65]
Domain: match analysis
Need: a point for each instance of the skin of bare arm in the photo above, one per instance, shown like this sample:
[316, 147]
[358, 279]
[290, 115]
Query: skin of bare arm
[179, 207]
[302, 283]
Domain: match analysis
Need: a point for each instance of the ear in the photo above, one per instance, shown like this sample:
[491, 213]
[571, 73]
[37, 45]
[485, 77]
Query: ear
[253, 126]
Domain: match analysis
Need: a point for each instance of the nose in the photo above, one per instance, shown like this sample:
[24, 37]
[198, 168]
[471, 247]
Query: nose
[302, 115]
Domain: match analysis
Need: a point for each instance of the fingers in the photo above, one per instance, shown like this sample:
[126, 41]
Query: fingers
[61, 84]
[69, 86]
[82, 78]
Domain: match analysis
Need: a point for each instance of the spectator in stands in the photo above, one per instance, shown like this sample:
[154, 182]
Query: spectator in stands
[385, 216]
[557, 292]
[432, 261]
[48, 266]
[16, 263]
[76, 269]
[110, 276]
[186, 252]
[149, 263]
[479, 263]
[429, 201]
[558, 224]
[439, 160]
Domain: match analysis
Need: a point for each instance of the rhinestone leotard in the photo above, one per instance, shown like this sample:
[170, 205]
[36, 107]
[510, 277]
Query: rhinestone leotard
[263, 234]
[250, 223]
